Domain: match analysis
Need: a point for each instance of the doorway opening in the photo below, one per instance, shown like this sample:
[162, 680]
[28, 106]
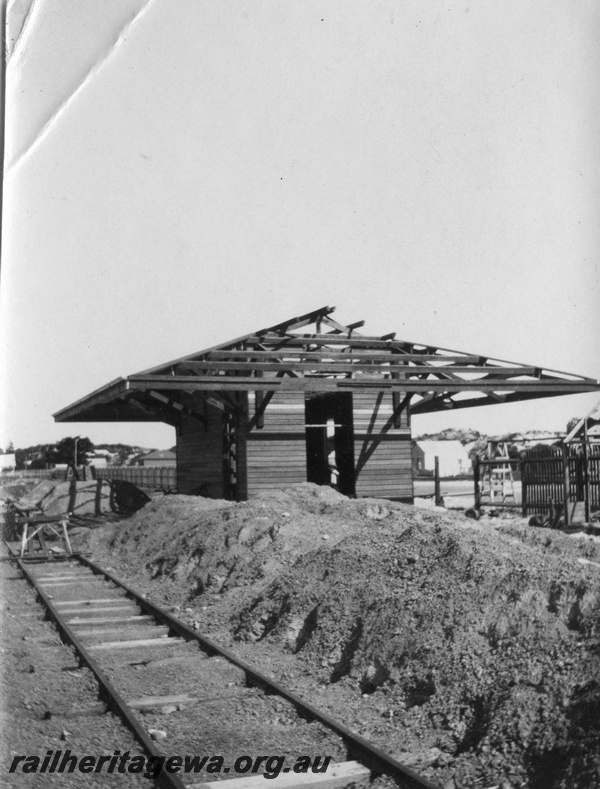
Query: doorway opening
[330, 441]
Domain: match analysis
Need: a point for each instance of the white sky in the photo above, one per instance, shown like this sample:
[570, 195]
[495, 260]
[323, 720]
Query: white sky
[180, 172]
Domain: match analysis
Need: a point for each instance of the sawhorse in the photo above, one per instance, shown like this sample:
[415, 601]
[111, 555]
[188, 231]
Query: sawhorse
[34, 525]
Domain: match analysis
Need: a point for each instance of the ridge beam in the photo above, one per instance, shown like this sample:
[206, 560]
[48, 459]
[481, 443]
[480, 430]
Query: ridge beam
[346, 355]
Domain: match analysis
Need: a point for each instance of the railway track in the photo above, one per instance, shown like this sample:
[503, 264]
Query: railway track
[155, 672]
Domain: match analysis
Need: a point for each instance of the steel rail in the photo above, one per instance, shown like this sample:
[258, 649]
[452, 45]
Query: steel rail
[111, 695]
[370, 754]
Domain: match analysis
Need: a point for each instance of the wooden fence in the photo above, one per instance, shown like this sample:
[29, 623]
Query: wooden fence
[551, 473]
[59, 474]
[157, 478]
[46, 473]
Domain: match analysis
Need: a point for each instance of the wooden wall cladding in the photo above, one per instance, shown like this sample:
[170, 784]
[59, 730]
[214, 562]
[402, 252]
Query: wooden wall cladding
[200, 456]
[276, 453]
[382, 454]
[274, 456]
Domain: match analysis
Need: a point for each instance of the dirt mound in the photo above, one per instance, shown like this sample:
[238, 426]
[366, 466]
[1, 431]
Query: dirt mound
[17, 489]
[84, 498]
[480, 650]
[476, 647]
[215, 546]
[80, 498]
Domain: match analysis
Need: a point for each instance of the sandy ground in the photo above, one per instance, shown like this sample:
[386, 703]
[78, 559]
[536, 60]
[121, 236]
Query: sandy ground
[458, 493]
[470, 650]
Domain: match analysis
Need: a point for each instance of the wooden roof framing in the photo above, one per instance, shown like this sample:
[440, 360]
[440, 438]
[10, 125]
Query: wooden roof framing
[334, 358]
[588, 422]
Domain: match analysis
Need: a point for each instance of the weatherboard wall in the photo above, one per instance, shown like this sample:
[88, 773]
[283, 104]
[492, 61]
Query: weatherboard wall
[275, 454]
[382, 452]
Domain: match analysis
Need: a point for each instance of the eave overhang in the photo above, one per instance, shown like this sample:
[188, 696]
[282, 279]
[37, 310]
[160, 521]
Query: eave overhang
[334, 358]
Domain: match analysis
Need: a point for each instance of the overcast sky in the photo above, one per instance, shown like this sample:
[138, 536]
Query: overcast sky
[180, 172]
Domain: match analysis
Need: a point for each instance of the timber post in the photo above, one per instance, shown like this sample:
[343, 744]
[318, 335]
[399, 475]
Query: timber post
[477, 492]
[438, 495]
[566, 482]
[586, 475]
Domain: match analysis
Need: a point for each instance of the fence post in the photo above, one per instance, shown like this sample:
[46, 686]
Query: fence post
[565, 453]
[586, 474]
[523, 464]
[477, 491]
[438, 496]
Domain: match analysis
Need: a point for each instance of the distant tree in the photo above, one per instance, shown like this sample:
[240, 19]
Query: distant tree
[10, 448]
[38, 463]
[120, 459]
[33, 457]
[572, 422]
[121, 452]
[65, 450]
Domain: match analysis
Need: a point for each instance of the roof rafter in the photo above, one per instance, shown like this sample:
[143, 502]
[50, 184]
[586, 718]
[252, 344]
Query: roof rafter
[334, 357]
[177, 405]
[327, 367]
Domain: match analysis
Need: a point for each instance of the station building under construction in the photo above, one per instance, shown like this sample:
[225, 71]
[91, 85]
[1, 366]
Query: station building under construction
[310, 399]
